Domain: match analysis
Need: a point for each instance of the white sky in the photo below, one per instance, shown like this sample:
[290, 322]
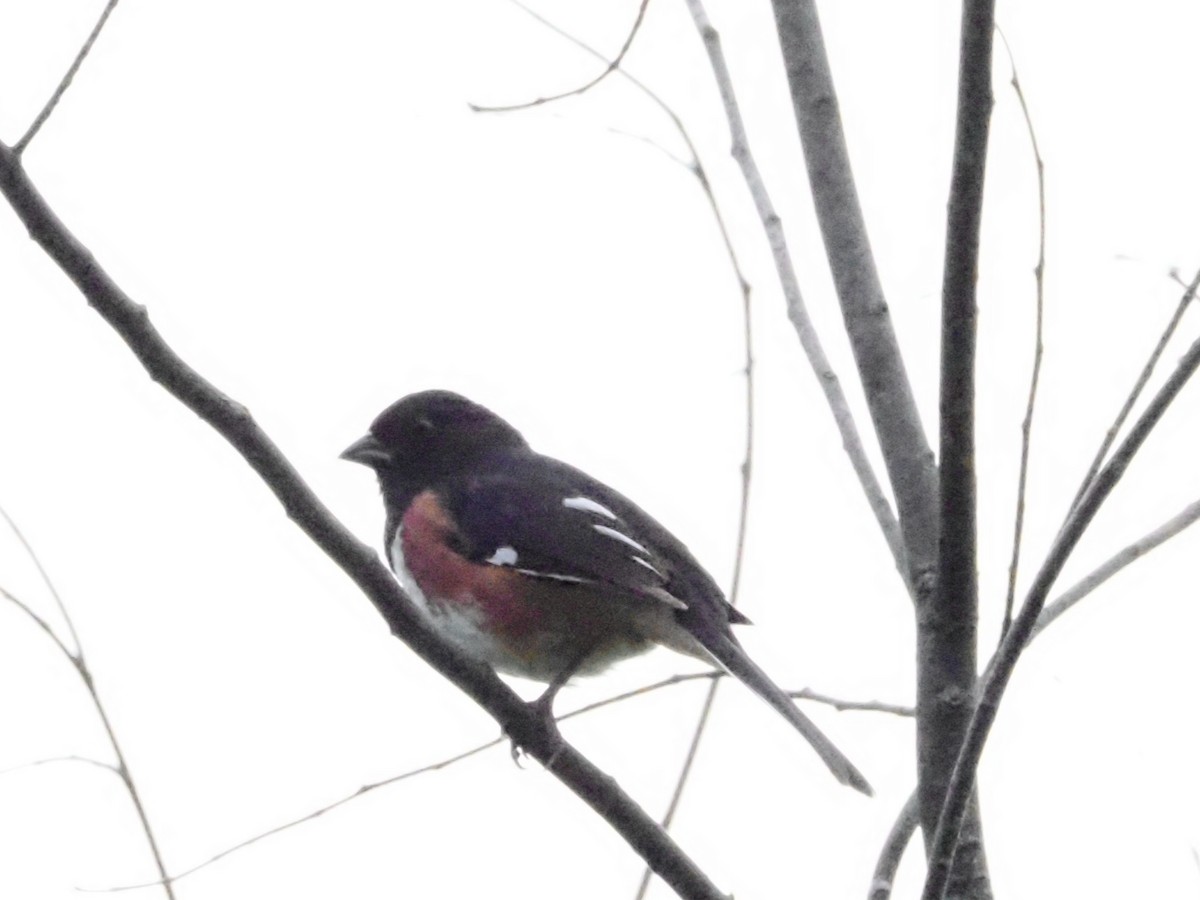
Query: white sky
[314, 219]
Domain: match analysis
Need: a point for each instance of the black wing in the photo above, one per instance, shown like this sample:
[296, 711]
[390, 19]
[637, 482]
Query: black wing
[550, 520]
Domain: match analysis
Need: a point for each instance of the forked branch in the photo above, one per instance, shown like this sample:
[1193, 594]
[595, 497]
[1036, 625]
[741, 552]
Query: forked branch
[1000, 672]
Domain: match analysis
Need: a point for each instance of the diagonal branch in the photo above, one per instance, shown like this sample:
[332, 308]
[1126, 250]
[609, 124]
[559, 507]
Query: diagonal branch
[883, 879]
[51, 760]
[65, 81]
[317, 813]
[797, 310]
[76, 660]
[697, 169]
[523, 722]
[805, 694]
[1001, 669]
[901, 833]
[584, 88]
[889, 395]
[1115, 564]
[685, 772]
[1185, 301]
[77, 653]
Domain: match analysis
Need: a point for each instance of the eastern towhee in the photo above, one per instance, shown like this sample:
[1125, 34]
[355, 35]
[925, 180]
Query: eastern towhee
[539, 569]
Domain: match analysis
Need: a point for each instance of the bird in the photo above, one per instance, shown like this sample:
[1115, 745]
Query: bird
[538, 569]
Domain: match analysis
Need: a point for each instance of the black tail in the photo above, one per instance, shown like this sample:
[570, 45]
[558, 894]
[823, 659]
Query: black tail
[733, 658]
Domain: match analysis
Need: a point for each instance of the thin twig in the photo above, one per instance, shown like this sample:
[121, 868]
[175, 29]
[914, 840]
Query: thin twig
[888, 392]
[65, 82]
[1189, 294]
[894, 709]
[524, 722]
[1039, 272]
[696, 167]
[836, 703]
[685, 772]
[609, 69]
[884, 877]
[315, 814]
[1115, 564]
[1000, 672]
[797, 310]
[710, 696]
[42, 624]
[77, 652]
[805, 694]
[50, 760]
[122, 767]
[747, 461]
[651, 142]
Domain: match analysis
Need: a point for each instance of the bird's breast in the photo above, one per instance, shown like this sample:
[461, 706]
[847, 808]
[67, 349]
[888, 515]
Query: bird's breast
[517, 624]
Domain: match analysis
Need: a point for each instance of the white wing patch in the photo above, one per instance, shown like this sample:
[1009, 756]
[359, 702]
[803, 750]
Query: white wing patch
[623, 538]
[504, 556]
[568, 579]
[667, 598]
[507, 556]
[650, 567]
[587, 504]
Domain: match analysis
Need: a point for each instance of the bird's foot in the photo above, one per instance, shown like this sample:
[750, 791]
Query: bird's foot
[549, 737]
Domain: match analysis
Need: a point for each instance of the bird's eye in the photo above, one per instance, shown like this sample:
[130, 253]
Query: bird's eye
[425, 423]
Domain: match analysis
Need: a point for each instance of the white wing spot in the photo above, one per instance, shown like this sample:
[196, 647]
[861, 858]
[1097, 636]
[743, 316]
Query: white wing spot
[667, 598]
[504, 556]
[650, 567]
[586, 504]
[569, 579]
[623, 538]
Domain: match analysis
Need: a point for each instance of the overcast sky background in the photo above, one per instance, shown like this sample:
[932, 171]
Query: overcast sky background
[315, 220]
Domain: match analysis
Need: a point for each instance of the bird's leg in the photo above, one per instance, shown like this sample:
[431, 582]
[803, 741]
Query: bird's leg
[544, 705]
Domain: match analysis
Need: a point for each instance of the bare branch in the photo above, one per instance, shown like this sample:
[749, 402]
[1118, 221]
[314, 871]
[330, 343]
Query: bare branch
[898, 839]
[609, 69]
[1189, 294]
[747, 463]
[884, 875]
[838, 704]
[1115, 564]
[685, 773]
[523, 722]
[65, 82]
[999, 673]
[797, 311]
[44, 625]
[860, 705]
[947, 628]
[315, 814]
[889, 396]
[1039, 272]
[77, 662]
[697, 169]
[77, 653]
[51, 760]
[893, 849]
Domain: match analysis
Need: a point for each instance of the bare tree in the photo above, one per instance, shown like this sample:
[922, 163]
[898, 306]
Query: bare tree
[931, 533]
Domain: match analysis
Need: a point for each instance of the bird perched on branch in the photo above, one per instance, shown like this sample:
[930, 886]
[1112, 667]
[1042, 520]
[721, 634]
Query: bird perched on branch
[537, 568]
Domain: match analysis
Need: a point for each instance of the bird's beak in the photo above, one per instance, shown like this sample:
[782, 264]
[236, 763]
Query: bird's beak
[368, 451]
